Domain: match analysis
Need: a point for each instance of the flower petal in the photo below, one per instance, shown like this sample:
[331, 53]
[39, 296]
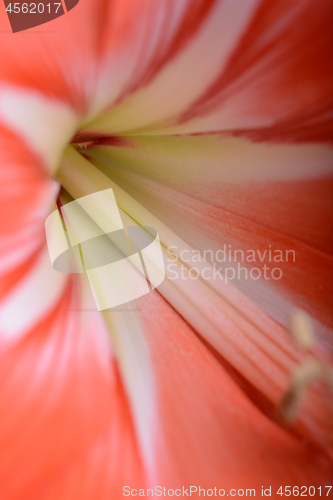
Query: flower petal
[60, 392]
[211, 447]
[268, 78]
[255, 197]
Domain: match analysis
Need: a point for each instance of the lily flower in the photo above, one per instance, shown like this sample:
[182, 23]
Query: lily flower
[210, 120]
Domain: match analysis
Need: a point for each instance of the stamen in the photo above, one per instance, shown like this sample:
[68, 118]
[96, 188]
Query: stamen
[305, 374]
[301, 330]
[308, 371]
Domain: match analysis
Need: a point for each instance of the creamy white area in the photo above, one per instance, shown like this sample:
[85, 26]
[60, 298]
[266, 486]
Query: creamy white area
[45, 124]
[42, 286]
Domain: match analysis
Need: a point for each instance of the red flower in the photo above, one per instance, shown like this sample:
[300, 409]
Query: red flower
[211, 122]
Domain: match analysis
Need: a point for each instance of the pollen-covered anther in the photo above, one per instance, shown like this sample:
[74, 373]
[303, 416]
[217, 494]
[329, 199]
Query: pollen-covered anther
[309, 371]
[301, 330]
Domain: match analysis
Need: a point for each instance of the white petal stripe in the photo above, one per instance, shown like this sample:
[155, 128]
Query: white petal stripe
[42, 286]
[46, 125]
